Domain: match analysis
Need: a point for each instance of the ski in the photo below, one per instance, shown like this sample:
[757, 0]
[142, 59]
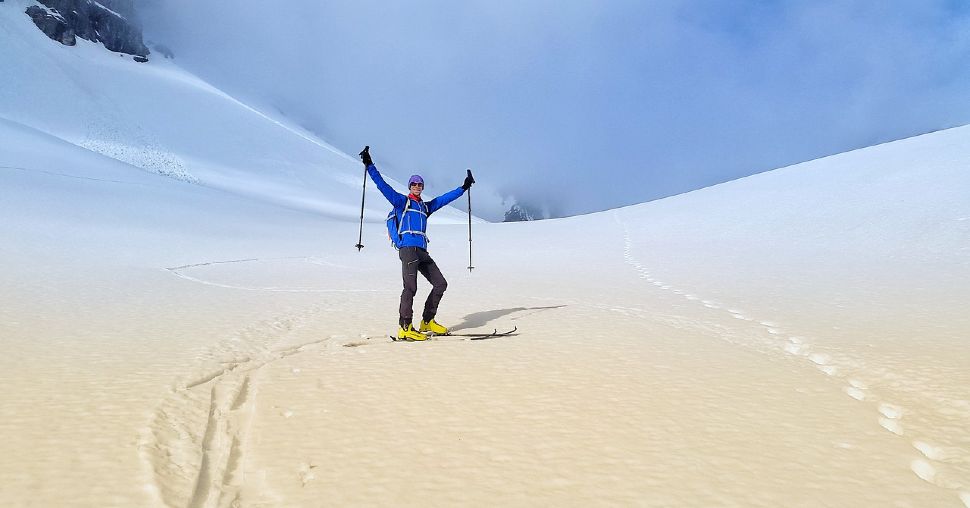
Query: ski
[464, 336]
[485, 335]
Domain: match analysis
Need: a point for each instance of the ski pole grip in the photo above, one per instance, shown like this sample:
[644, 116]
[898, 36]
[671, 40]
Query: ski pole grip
[470, 175]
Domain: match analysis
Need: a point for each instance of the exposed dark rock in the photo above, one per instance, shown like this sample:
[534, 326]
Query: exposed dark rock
[110, 22]
[52, 24]
[521, 213]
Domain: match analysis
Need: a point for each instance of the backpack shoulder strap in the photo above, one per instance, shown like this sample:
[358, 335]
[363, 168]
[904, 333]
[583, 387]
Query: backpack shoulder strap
[400, 223]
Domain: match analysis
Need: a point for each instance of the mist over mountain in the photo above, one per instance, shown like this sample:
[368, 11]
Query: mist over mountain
[561, 102]
[619, 102]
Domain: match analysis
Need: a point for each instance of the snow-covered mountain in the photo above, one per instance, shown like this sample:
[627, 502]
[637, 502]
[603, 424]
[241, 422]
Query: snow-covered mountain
[161, 119]
[184, 321]
[519, 213]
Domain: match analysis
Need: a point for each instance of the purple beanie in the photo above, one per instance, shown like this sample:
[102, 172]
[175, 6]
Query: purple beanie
[415, 179]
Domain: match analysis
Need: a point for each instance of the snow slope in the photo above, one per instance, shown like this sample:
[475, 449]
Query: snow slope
[795, 338]
[164, 120]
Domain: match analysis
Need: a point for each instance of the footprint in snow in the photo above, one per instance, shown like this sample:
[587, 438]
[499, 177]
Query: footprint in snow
[822, 363]
[796, 347]
[828, 369]
[933, 452]
[856, 389]
[891, 425]
[819, 359]
[924, 470]
[891, 413]
[855, 393]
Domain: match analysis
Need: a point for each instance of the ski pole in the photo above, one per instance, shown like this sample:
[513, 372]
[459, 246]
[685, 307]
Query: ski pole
[470, 267]
[363, 192]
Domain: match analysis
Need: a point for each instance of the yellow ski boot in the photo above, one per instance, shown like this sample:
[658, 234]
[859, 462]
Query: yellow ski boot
[410, 333]
[432, 327]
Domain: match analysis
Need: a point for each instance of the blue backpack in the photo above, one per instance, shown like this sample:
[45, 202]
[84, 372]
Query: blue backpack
[394, 227]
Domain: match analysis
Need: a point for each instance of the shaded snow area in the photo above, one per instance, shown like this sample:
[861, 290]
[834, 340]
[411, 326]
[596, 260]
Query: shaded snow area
[163, 120]
[184, 321]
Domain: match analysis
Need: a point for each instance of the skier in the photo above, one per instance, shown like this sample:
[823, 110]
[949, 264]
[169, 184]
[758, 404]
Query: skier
[412, 219]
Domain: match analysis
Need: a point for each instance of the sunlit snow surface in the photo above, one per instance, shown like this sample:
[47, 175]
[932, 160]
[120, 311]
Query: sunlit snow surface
[184, 321]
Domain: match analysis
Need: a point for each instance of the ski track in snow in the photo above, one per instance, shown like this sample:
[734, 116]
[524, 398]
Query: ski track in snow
[76, 177]
[194, 447]
[772, 340]
[178, 272]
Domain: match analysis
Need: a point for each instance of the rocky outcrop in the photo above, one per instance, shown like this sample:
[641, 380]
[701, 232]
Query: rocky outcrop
[52, 24]
[521, 213]
[109, 22]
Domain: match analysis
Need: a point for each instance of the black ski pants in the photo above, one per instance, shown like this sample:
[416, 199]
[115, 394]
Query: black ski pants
[414, 260]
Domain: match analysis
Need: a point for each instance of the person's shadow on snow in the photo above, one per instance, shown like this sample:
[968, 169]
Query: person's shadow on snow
[480, 319]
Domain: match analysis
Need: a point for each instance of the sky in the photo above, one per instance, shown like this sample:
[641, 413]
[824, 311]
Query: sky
[581, 106]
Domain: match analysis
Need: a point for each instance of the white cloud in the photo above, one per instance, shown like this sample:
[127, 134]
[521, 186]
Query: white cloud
[586, 105]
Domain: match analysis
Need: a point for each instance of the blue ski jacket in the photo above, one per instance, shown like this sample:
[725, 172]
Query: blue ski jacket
[414, 227]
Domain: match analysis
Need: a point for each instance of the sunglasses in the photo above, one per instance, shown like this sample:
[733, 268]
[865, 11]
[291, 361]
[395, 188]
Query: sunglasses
[417, 184]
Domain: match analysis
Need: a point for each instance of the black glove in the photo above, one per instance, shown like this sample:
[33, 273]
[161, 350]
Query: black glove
[365, 156]
[469, 180]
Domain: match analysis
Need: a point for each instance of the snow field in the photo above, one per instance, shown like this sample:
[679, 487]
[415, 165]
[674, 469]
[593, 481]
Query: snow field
[867, 374]
[185, 322]
[617, 388]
